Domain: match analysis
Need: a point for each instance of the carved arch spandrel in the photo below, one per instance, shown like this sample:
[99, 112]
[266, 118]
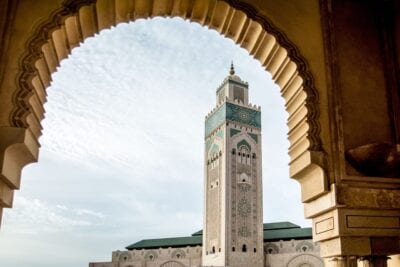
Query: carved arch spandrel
[76, 20]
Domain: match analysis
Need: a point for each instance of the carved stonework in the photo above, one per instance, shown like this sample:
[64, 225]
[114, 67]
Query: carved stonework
[302, 68]
[369, 198]
[244, 207]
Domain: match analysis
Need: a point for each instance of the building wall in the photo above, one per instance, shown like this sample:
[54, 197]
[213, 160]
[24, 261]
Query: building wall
[165, 257]
[291, 253]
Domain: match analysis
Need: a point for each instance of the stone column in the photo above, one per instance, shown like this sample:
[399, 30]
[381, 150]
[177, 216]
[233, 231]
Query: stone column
[350, 261]
[374, 261]
[354, 222]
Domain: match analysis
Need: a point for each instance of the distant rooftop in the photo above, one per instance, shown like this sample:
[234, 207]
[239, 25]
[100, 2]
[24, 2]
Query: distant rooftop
[272, 232]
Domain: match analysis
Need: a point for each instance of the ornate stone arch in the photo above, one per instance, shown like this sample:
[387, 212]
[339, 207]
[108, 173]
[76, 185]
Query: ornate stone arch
[271, 248]
[172, 264]
[75, 20]
[303, 259]
[178, 254]
[125, 256]
[304, 246]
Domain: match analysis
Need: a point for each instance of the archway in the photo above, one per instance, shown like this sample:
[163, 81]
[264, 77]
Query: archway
[75, 21]
[109, 89]
[305, 260]
[172, 264]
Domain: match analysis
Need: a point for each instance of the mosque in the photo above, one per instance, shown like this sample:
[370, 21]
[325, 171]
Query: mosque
[233, 234]
[337, 66]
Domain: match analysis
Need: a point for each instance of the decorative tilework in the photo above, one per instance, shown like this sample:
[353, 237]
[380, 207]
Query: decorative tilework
[208, 143]
[235, 113]
[220, 133]
[254, 136]
[233, 132]
[244, 143]
[214, 149]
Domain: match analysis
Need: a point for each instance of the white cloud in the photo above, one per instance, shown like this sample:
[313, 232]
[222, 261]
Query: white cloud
[33, 216]
[90, 213]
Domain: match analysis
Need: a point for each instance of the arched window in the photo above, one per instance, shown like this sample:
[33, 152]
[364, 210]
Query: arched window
[233, 151]
[213, 250]
[255, 250]
[244, 248]
[233, 248]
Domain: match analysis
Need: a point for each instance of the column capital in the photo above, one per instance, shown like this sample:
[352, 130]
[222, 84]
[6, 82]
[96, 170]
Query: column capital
[18, 147]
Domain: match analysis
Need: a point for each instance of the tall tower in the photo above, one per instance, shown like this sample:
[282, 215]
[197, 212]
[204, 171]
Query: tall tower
[233, 229]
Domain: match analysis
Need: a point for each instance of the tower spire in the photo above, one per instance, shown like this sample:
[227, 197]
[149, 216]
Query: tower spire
[232, 71]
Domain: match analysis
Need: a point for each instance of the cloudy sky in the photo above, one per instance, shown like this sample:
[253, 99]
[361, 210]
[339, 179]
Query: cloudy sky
[122, 147]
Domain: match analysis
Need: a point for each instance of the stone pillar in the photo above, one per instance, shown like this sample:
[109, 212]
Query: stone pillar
[350, 261]
[352, 222]
[374, 261]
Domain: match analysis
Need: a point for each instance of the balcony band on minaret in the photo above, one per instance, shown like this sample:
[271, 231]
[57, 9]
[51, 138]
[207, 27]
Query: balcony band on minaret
[233, 231]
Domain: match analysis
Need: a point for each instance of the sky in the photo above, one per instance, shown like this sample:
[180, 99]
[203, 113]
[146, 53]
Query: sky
[121, 154]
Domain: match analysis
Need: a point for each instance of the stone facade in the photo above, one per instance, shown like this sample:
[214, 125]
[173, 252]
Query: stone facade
[162, 257]
[292, 253]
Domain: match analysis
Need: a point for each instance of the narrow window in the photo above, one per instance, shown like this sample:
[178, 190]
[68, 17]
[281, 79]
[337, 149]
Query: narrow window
[244, 248]
[213, 250]
[219, 249]
[233, 248]
[255, 250]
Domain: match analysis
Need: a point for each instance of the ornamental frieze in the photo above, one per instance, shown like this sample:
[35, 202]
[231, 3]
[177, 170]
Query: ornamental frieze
[234, 113]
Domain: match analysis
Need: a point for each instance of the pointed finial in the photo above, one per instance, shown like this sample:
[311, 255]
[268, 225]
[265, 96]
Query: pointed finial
[232, 71]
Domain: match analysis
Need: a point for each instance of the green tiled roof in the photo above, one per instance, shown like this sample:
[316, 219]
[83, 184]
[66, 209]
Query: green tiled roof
[167, 242]
[200, 232]
[272, 232]
[267, 227]
[288, 234]
[280, 225]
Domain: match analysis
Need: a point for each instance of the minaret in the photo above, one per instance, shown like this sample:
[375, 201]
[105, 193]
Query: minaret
[233, 229]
